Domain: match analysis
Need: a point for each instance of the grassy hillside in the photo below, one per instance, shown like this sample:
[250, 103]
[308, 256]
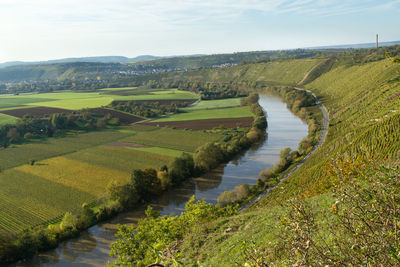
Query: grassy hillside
[340, 201]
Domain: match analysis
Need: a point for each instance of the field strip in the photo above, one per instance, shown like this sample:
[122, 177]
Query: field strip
[62, 170]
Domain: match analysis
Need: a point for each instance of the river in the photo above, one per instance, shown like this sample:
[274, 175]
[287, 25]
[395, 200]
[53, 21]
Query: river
[92, 247]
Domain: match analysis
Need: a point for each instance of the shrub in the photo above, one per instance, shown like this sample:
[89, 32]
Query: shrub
[242, 190]
[227, 197]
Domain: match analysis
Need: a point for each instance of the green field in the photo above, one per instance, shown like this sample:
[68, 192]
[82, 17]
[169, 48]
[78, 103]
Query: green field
[213, 104]
[78, 100]
[201, 114]
[77, 168]
[7, 119]
[6, 101]
[118, 89]
[161, 95]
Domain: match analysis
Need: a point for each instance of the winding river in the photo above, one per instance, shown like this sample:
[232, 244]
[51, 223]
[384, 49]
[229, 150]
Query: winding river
[92, 247]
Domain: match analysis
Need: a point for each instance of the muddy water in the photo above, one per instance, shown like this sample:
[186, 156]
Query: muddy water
[92, 247]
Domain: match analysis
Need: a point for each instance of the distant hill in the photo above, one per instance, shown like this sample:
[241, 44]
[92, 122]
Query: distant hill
[112, 68]
[356, 46]
[104, 59]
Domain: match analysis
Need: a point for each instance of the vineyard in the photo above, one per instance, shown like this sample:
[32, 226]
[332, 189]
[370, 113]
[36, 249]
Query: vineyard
[76, 169]
[168, 138]
[364, 111]
[363, 123]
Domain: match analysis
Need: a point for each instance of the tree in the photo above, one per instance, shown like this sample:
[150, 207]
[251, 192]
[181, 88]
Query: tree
[13, 135]
[252, 98]
[242, 190]
[182, 168]
[58, 121]
[227, 197]
[285, 157]
[209, 156]
[69, 221]
[101, 123]
[87, 216]
[145, 183]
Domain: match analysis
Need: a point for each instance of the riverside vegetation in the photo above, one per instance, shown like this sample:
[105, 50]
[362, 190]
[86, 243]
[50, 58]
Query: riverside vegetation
[339, 208]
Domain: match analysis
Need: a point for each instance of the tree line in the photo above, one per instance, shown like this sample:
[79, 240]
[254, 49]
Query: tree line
[148, 110]
[34, 127]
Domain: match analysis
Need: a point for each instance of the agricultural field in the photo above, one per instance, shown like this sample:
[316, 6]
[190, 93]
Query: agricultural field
[48, 103]
[172, 139]
[15, 101]
[76, 169]
[117, 89]
[172, 94]
[206, 124]
[213, 104]
[16, 155]
[7, 119]
[201, 114]
[42, 179]
[161, 101]
[34, 111]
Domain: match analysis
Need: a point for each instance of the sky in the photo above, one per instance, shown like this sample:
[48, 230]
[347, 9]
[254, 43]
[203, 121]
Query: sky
[33, 30]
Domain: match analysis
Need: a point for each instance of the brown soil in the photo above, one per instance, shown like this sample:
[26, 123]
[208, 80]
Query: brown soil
[15, 106]
[123, 117]
[35, 111]
[205, 124]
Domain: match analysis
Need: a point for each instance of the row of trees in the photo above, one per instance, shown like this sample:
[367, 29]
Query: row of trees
[150, 109]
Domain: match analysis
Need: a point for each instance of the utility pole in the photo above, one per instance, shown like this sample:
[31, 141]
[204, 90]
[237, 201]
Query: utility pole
[377, 41]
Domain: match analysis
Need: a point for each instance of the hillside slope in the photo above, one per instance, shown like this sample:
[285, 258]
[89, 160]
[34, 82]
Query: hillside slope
[363, 102]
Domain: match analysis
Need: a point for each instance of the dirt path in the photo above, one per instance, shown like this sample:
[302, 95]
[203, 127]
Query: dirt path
[308, 73]
[321, 140]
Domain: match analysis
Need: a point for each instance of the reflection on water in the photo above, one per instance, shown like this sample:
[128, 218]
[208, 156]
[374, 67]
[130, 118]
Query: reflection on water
[93, 246]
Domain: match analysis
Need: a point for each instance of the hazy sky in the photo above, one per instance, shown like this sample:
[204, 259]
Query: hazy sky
[49, 29]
